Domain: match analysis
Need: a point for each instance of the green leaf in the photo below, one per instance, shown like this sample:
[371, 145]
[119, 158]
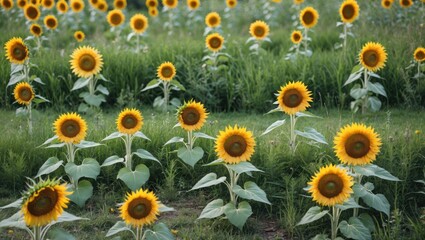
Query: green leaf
[376, 88]
[312, 134]
[175, 102]
[160, 232]
[14, 221]
[305, 114]
[80, 83]
[158, 102]
[112, 160]
[49, 166]
[162, 208]
[374, 103]
[94, 100]
[102, 89]
[89, 168]
[38, 80]
[113, 136]
[178, 85]
[354, 229]
[118, 227]
[14, 68]
[49, 140]
[58, 145]
[81, 193]
[101, 77]
[243, 167]
[357, 92]
[87, 144]
[15, 79]
[203, 135]
[59, 234]
[152, 84]
[215, 162]
[353, 77]
[374, 170]
[68, 217]
[278, 109]
[357, 68]
[190, 157]
[213, 209]
[321, 237]
[378, 202]
[349, 204]
[274, 125]
[134, 179]
[174, 140]
[83, 108]
[141, 135]
[367, 221]
[208, 180]
[238, 216]
[15, 204]
[251, 191]
[143, 154]
[359, 190]
[313, 214]
[40, 99]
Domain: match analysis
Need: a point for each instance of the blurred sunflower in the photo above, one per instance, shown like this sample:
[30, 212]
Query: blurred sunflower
[79, 36]
[7, 4]
[16, 51]
[50, 22]
[419, 54]
[349, 11]
[309, 17]
[214, 42]
[298, 2]
[294, 97]
[387, 3]
[296, 37]
[139, 23]
[166, 71]
[48, 4]
[259, 30]
[102, 6]
[170, 3]
[153, 11]
[62, 6]
[373, 56]
[115, 17]
[35, 2]
[231, 3]
[129, 121]
[235, 145]
[86, 61]
[31, 12]
[213, 19]
[192, 115]
[140, 208]
[23, 93]
[36, 30]
[406, 3]
[120, 4]
[193, 4]
[77, 5]
[93, 3]
[70, 128]
[21, 3]
[276, 1]
[151, 3]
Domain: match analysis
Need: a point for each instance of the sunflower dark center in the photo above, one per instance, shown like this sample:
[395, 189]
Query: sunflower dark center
[152, 4]
[36, 30]
[215, 42]
[129, 121]
[79, 36]
[139, 24]
[259, 31]
[308, 18]
[116, 19]
[94, 2]
[70, 128]
[22, 3]
[213, 20]
[348, 12]
[405, 3]
[357, 146]
[19, 52]
[330, 185]
[139, 208]
[7, 4]
[371, 58]
[120, 4]
[235, 145]
[193, 4]
[77, 6]
[51, 23]
[292, 98]
[87, 62]
[62, 7]
[420, 55]
[190, 116]
[297, 37]
[387, 3]
[32, 12]
[170, 2]
[231, 3]
[44, 203]
[25, 94]
[167, 71]
[48, 3]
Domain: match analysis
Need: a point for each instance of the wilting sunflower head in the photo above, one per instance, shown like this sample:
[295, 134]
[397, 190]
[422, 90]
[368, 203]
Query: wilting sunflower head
[214, 42]
[86, 62]
[259, 30]
[387, 3]
[153, 12]
[296, 37]
[129, 121]
[213, 19]
[102, 6]
[32, 12]
[50, 22]
[115, 17]
[16, 51]
[170, 3]
[7, 4]
[294, 97]
[231, 3]
[166, 71]
[357, 144]
[21, 3]
[406, 3]
[193, 4]
[139, 23]
[140, 208]
[36, 30]
[192, 115]
[79, 36]
[349, 11]
[23, 93]
[62, 6]
[309, 17]
[331, 186]
[70, 128]
[48, 4]
[44, 202]
[373, 56]
[151, 3]
[235, 145]
[298, 2]
[77, 5]
[419, 54]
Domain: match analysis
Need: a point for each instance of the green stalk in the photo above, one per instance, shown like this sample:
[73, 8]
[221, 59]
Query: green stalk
[29, 118]
[334, 222]
[233, 178]
[128, 159]
[345, 35]
[37, 233]
[305, 39]
[138, 40]
[292, 144]
[190, 139]
[139, 231]
[166, 94]
[365, 100]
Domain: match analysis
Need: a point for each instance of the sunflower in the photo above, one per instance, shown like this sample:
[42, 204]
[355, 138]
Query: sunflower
[79, 36]
[50, 22]
[102, 6]
[294, 97]
[193, 4]
[48, 4]
[170, 3]
[31, 12]
[86, 61]
[231, 3]
[23, 93]
[276, 1]
[387, 3]
[35, 2]
[70, 128]
[331, 186]
[120, 4]
[36, 30]
[62, 6]
[153, 11]
[296, 37]
[192, 116]
[349, 11]
[93, 3]
[166, 71]
[151, 3]
[357, 144]
[7, 4]
[214, 42]
[235, 145]
[213, 19]
[140, 208]
[259, 30]
[129, 121]
[44, 202]
[16, 51]
[309, 17]
[77, 5]
[115, 17]
[373, 56]
[139, 23]
[21, 3]
[406, 3]
[298, 2]
[419, 54]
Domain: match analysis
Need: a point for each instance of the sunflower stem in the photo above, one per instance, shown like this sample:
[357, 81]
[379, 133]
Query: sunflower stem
[166, 95]
[334, 222]
[233, 180]
[71, 152]
[305, 39]
[29, 118]
[190, 139]
[345, 36]
[138, 42]
[139, 231]
[365, 100]
[128, 160]
[37, 233]
[292, 144]
[419, 68]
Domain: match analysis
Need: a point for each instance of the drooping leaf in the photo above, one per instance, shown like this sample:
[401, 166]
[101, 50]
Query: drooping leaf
[354, 229]
[87, 144]
[374, 170]
[89, 168]
[243, 167]
[15, 204]
[160, 232]
[49, 166]
[238, 216]
[349, 204]
[152, 84]
[80, 83]
[143, 154]
[113, 135]
[112, 160]
[203, 135]
[141, 135]
[312, 134]
[213, 209]
[376, 88]
[16, 220]
[313, 214]
[208, 180]
[174, 140]
[119, 226]
[81, 193]
[251, 192]
[378, 202]
[190, 156]
[274, 125]
[134, 179]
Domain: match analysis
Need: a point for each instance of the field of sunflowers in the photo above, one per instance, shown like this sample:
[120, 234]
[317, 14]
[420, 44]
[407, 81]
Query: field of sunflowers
[224, 119]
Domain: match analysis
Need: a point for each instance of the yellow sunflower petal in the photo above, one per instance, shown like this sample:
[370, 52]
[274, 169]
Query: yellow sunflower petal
[32, 12]
[349, 11]
[373, 56]
[16, 51]
[115, 17]
[153, 11]
[36, 30]
[86, 62]
[70, 128]
[387, 3]
[419, 54]
[213, 19]
[139, 23]
[7, 4]
[50, 22]
[309, 17]
[151, 3]
[79, 36]
[214, 42]
[62, 6]
[23, 93]
[129, 121]
[259, 30]
[296, 37]
[294, 97]
[235, 145]
[193, 4]
[170, 3]
[166, 71]
[231, 3]
[140, 208]
[192, 116]
[77, 5]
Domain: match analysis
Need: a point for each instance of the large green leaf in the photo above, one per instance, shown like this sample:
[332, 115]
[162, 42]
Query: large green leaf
[113, 136]
[178, 85]
[251, 192]
[313, 214]
[152, 84]
[16, 220]
[190, 157]
[174, 140]
[141, 135]
[68, 217]
[354, 229]
[367, 221]
[359, 190]
[81, 193]
[376, 88]
[374, 103]
[80, 83]
[243, 167]
[312, 134]
[374, 170]
[349, 204]
[378, 202]
[274, 125]
[15, 79]
[160, 232]
[134, 179]
[87, 144]
[15, 204]
[118, 227]
[89, 168]
[358, 92]
[238, 216]
[102, 89]
[356, 73]
[213, 209]
[143, 154]
[59, 234]
[203, 135]
[162, 208]
[49, 166]
[112, 160]
[94, 100]
[208, 180]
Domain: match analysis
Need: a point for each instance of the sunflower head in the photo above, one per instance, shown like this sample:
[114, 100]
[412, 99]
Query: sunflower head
[48, 4]
[115, 17]
[120, 4]
[62, 6]
[7, 4]
[70, 128]
[259, 30]
[235, 145]
[93, 3]
[309, 17]
[373, 56]
[129, 121]
[32, 12]
[140, 208]
[387, 3]
[296, 37]
[16, 51]
[35, 2]
[21, 3]
[349, 11]
[192, 115]
[153, 12]
[231, 3]
[298, 2]
[50, 22]
[139, 23]
[23, 93]
[79, 36]
[406, 3]
[166, 71]
[36, 30]
[86, 61]
[193, 4]
[277, 1]
[102, 6]
[213, 19]
[77, 5]
[331, 186]
[294, 97]
[44, 202]
[151, 3]
[419, 54]
[357, 144]
[170, 3]
[214, 42]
